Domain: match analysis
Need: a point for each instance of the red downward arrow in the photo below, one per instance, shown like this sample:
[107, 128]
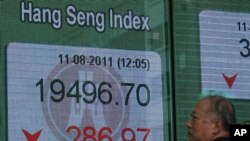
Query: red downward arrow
[32, 137]
[229, 80]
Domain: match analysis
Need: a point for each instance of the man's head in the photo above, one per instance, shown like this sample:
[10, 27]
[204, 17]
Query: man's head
[210, 119]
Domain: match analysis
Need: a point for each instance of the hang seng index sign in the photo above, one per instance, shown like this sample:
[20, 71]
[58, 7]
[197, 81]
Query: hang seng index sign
[72, 16]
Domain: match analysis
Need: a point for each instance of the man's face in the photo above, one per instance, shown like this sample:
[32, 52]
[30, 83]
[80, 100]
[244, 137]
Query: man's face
[200, 126]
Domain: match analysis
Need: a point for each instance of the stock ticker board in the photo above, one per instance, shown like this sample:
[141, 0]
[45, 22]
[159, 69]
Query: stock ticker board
[75, 89]
[73, 72]
[210, 43]
[225, 46]
[118, 71]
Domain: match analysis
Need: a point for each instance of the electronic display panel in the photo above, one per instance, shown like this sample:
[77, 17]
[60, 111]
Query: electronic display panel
[84, 70]
[210, 48]
[113, 93]
[224, 53]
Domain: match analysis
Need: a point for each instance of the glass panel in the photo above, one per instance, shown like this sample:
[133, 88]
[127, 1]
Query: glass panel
[79, 70]
[211, 54]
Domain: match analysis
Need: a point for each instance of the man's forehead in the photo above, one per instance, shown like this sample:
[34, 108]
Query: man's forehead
[202, 106]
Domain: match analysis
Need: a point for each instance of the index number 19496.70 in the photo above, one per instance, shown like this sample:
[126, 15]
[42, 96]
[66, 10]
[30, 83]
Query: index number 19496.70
[142, 92]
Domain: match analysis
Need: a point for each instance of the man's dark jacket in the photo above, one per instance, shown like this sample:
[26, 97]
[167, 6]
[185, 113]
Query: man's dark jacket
[222, 139]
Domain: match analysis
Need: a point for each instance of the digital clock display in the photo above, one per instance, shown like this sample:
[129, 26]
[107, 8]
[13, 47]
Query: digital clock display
[83, 93]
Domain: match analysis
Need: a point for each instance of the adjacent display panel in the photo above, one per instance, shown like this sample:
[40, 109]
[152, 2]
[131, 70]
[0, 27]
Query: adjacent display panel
[74, 93]
[225, 52]
[209, 39]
